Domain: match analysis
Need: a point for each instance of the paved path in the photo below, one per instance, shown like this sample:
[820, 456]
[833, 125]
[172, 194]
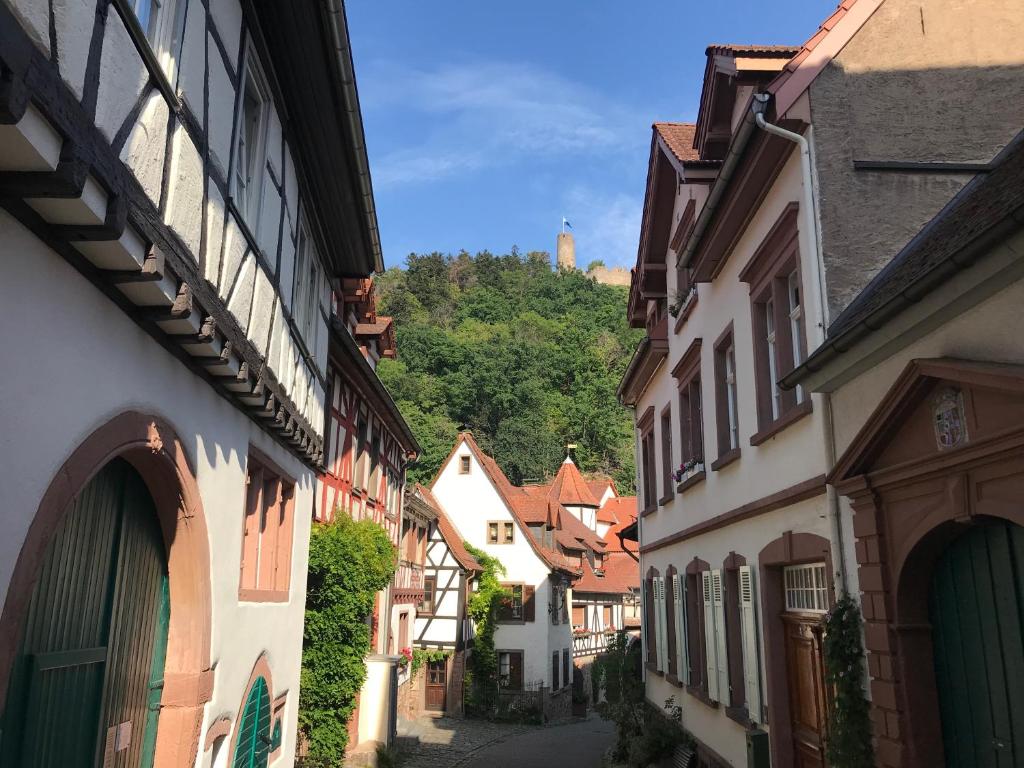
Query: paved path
[451, 743]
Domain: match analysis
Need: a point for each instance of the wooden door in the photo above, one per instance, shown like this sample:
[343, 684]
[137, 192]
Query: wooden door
[437, 685]
[975, 607]
[805, 673]
[90, 664]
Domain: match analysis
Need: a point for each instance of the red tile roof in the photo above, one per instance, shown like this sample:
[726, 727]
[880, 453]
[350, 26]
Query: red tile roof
[678, 137]
[620, 574]
[751, 50]
[451, 536]
[523, 507]
[570, 489]
[624, 510]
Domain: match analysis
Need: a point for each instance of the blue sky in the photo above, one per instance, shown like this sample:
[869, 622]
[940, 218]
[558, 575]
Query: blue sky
[486, 122]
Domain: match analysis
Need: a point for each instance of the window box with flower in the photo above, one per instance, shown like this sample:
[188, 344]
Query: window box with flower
[690, 473]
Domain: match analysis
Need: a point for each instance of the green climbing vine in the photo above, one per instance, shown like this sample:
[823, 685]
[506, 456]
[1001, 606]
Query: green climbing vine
[481, 681]
[421, 656]
[849, 733]
[349, 562]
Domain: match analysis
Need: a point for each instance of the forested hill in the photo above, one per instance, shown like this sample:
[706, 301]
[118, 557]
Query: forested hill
[525, 357]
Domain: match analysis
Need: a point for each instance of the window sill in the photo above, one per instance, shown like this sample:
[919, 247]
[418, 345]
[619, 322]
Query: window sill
[666, 499]
[652, 668]
[739, 715]
[684, 313]
[725, 459]
[701, 696]
[648, 510]
[691, 481]
[674, 680]
[787, 419]
[263, 595]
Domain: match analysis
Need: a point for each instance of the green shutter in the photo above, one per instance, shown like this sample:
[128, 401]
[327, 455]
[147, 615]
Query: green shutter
[254, 738]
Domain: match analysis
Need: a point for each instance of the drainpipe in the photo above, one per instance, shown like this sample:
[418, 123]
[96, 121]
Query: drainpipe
[809, 214]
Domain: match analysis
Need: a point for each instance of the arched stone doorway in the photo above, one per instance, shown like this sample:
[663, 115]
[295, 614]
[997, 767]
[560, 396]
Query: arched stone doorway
[152, 449]
[939, 463]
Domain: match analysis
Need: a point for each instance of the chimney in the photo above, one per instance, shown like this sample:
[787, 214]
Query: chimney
[565, 251]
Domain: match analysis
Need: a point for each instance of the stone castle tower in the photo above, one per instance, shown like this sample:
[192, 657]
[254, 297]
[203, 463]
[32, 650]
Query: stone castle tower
[565, 258]
[565, 251]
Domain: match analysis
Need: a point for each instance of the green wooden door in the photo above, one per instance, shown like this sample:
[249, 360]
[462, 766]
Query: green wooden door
[96, 627]
[977, 614]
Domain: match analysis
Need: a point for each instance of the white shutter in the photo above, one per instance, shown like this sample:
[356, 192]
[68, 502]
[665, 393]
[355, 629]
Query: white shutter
[751, 657]
[710, 644]
[662, 633]
[718, 597]
[682, 651]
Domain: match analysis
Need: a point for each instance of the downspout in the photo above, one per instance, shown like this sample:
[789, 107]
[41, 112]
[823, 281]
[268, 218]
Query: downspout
[809, 215]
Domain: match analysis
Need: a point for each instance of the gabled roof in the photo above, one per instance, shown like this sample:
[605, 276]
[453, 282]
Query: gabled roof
[678, 137]
[522, 506]
[570, 489]
[448, 532]
[823, 46]
[620, 574]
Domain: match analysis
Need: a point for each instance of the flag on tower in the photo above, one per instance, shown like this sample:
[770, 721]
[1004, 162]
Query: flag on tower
[565, 223]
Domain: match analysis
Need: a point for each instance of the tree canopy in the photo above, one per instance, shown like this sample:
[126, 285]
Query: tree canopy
[526, 357]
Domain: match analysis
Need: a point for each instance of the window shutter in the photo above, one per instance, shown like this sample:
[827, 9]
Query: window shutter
[682, 640]
[529, 608]
[662, 628]
[710, 643]
[657, 622]
[751, 658]
[722, 654]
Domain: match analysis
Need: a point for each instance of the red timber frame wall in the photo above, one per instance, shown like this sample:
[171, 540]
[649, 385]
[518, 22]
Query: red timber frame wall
[338, 487]
[911, 499]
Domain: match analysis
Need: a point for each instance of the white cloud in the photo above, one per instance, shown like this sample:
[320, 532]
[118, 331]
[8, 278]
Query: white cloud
[605, 226]
[488, 114]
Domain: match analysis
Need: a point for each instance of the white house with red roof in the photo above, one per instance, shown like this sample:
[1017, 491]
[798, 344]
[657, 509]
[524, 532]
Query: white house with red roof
[541, 545]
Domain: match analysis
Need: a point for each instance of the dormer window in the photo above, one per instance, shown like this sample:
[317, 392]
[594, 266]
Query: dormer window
[464, 465]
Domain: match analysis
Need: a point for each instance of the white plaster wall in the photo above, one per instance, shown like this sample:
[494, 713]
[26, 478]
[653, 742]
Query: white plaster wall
[712, 726]
[471, 501]
[111, 366]
[793, 455]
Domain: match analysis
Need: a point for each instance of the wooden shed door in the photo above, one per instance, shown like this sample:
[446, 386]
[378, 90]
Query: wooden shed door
[807, 702]
[437, 685]
[85, 685]
[977, 620]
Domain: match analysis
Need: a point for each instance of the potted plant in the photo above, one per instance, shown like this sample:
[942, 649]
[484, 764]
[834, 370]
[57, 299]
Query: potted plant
[688, 469]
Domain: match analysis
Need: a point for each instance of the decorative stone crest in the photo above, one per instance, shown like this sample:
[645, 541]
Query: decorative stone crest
[949, 418]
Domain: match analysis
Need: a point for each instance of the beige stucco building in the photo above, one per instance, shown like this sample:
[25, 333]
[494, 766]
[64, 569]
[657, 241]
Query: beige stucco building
[807, 169]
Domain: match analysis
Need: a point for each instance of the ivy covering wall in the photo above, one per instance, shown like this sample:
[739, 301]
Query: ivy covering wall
[481, 681]
[349, 562]
[849, 731]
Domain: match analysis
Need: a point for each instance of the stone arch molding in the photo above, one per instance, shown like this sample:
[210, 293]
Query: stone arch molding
[151, 445]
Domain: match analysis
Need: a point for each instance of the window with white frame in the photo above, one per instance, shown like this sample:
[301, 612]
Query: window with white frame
[806, 588]
[796, 324]
[773, 359]
[307, 281]
[162, 21]
[250, 152]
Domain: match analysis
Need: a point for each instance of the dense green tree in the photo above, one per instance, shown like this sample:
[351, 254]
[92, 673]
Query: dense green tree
[527, 357]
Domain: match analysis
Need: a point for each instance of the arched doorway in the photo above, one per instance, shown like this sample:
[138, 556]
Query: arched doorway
[152, 448]
[976, 611]
[87, 679]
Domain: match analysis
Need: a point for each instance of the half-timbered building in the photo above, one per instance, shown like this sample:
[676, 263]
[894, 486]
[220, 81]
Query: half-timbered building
[442, 619]
[184, 188]
[541, 545]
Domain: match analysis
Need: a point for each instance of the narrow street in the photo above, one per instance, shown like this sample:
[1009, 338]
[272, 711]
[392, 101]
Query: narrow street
[457, 743]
